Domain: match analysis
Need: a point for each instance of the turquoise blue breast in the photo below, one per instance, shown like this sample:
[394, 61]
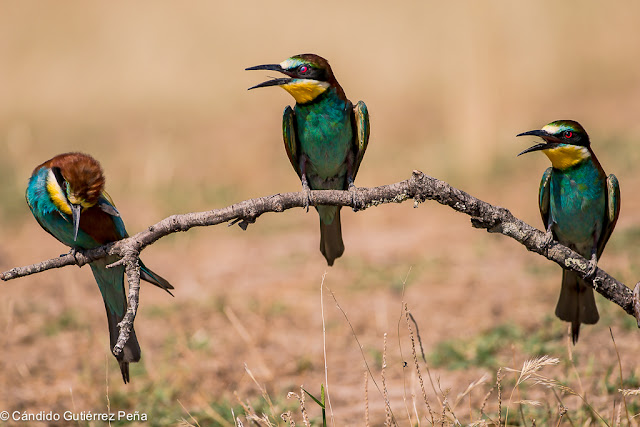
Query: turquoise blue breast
[325, 134]
[578, 203]
[45, 212]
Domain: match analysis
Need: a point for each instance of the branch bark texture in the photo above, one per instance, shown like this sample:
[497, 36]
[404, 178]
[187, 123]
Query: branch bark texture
[419, 187]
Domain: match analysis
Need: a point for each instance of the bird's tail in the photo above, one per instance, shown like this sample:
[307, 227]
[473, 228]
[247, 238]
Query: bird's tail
[154, 278]
[576, 304]
[111, 284]
[130, 352]
[331, 244]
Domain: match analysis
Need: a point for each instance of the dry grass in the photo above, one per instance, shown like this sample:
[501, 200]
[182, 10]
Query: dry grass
[532, 411]
[157, 92]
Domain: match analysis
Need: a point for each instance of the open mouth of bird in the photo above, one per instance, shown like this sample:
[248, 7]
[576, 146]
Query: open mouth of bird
[274, 81]
[547, 144]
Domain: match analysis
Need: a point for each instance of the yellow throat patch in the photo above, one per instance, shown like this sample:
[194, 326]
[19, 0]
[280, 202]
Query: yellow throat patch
[57, 194]
[304, 90]
[564, 157]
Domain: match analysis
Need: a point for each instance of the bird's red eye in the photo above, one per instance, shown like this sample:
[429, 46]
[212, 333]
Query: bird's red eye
[303, 69]
[568, 134]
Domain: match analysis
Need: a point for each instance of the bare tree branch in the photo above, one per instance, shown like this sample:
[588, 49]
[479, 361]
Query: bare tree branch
[132, 270]
[419, 187]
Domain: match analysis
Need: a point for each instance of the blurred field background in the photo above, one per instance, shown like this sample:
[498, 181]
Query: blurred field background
[157, 93]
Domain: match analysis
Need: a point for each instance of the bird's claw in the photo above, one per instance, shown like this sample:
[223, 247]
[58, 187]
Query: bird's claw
[592, 267]
[306, 190]
[307, 198]
[355, 199]
[548, 240]
[74, 253]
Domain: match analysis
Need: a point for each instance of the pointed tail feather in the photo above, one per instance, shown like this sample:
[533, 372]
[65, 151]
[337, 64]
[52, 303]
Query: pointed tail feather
[331, 244]
[131, 350]
[154, 278]
[111, 284]
[577, 303]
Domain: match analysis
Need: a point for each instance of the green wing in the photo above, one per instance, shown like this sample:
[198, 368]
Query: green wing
[613, 211]
[290, 138]
[544, 197]
[361, 140]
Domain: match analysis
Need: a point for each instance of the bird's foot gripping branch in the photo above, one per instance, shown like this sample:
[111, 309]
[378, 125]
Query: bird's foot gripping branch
[418, 187]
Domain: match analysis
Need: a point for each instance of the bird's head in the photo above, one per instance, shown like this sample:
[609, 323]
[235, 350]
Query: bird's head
[309, 76]
[565, 142]
[75, 182]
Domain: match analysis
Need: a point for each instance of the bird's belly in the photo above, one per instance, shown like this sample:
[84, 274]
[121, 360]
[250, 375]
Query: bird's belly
[326, 146]
[326, 161]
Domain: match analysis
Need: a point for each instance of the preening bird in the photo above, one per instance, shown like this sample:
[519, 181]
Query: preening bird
[66, 196]
[580, 206]
[325, 136]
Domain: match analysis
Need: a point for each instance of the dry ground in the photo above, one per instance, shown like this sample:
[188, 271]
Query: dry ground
[157, 92]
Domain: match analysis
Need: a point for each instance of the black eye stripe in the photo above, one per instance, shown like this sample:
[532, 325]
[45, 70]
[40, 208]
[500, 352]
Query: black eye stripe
[61, 181]
[310, 73]
[58, 174]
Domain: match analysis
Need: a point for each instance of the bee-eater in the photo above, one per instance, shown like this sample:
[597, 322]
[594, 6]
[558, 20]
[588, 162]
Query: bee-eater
[66, 196]
[325, 136]
[579, 205]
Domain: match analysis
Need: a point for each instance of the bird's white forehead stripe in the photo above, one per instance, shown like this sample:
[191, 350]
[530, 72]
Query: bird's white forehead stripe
[551, 128]
[290, 63]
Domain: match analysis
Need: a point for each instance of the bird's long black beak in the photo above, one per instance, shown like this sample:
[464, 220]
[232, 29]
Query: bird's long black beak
[273, 82]
[270, 67]
[539, 133]
[75, 214]
[546, 144]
